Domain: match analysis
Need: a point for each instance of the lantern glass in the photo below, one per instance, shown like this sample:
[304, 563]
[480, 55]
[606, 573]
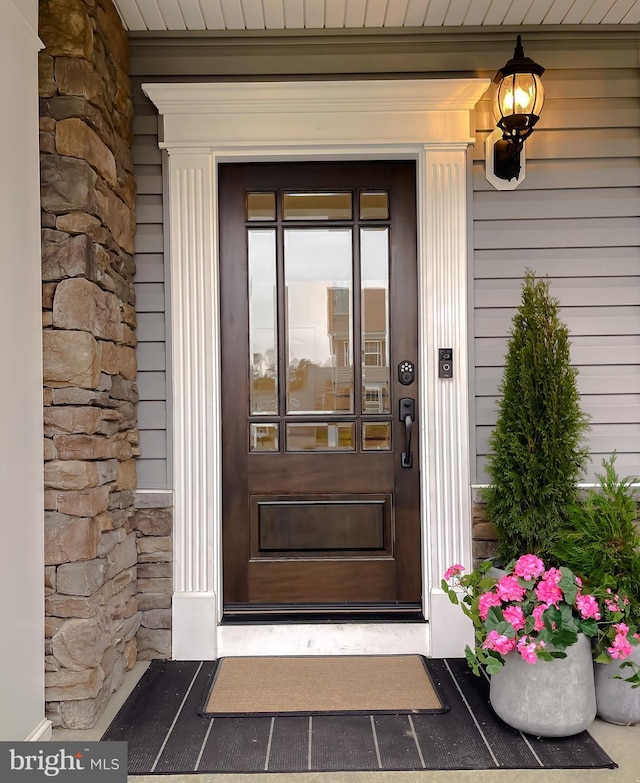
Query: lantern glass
[519, 93]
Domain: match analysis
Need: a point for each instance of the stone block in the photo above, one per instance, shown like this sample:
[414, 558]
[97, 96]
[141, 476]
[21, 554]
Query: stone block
[72, 474]
[48, 290]
[153, 643]
[68, 539]
[84, 503]
[51, 499]
[116, 40]
[70, 359]
[116, 216]
[485, 531]
[122, 556]
[110, 538]
[154, 586]
[107, 470]
[156, 557]
[154, 545]
[82, 224]
[49, 580]
[47, 396]
[65, 28]
[70, 685]
[85, 447]
[131, 654]
[52, 625]
[70, 258]
[127, 361]
[127, 475]
[77, 77]
[46, 143]
[131, 626]
[70, 606]
[148, 601]
[70, 419]
[67, 185]
[49, 450]
[75, 396]
[81, 304]
[47, 319]
[121, 501]
[109, 358]
[81, 578]
[46, 81]
[124, 390]
[80, 644]
[156, 618]
[75, 139]
[129, 315]
[154, 571]
[153, 521]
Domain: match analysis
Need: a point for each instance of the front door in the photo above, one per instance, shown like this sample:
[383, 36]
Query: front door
[319, 390]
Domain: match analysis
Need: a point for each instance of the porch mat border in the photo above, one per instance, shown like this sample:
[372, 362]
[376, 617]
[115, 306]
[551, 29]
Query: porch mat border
[202, 708]
[166, 735]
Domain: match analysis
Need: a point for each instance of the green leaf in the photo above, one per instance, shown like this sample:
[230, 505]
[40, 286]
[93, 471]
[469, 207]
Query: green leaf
[494, 666]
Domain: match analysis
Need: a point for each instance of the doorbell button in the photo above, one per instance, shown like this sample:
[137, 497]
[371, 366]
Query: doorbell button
[445, 362]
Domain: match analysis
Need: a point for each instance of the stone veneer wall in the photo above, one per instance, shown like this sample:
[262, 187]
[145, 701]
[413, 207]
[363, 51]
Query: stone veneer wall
[153, 522]
[88, 196]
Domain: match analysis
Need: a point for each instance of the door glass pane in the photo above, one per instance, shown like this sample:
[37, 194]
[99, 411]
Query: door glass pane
[374, 250]
[263, 437]
[261, 206]
[317, 206]
[374, 205]
[319, 294]
[321, 436]
[263, 343]
[376, 436]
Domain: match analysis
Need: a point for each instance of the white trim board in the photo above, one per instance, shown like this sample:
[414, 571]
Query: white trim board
[429, 121]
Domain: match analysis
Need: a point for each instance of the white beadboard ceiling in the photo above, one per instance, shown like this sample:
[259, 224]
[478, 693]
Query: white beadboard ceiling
[156, 15]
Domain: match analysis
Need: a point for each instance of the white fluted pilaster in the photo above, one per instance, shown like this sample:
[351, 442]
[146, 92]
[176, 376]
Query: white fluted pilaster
[196, 419]
[443, 324]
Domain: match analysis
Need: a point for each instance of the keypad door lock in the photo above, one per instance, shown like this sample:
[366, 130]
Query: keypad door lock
[406, 372]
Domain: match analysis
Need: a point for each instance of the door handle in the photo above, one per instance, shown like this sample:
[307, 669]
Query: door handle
[407, 416]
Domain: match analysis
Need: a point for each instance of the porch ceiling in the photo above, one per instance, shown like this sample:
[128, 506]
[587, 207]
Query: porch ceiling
[220, 15]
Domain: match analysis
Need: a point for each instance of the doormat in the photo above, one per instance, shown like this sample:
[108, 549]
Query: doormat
[315, 685]
[166, 734]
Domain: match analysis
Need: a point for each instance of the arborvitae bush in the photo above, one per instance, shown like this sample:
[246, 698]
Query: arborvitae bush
[537, 450]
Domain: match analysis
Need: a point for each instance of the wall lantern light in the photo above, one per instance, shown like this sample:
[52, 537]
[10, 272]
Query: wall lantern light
[517, 107]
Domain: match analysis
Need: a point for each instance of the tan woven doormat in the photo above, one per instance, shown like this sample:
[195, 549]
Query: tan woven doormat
[321, 684]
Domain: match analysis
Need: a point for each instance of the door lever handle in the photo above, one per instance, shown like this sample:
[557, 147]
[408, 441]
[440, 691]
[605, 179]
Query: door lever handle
[407, 416]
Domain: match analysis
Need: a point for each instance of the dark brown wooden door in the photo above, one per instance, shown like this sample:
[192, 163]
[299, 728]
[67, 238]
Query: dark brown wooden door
[318, 310]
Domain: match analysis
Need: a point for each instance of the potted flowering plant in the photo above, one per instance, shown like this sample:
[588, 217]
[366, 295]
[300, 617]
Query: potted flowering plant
[531, 613]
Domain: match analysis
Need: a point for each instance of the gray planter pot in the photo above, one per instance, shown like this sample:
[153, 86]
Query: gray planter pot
[616, 700]
[549, 698]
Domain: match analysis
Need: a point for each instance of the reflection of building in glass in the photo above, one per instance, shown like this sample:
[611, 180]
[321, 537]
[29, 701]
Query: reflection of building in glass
[375, 363]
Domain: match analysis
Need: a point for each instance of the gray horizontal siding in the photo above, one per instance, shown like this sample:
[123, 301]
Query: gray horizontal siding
[575, 219]
[153, 463]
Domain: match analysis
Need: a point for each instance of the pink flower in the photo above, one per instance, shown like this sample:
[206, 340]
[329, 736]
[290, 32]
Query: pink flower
[499, 643]
[509, 589]
[529, 649]
[454, 570]
[612, 606]
[588, 606]
[621, 646]
[528, 567]
[538, 611]
[548, 592]
[515, 616]
[487, 600]
[553, 575]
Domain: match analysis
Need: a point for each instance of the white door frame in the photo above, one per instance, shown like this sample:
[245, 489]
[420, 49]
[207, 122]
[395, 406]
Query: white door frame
[202, 125]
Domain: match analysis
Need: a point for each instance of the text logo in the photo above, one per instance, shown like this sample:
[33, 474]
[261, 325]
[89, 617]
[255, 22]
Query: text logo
[64, 762]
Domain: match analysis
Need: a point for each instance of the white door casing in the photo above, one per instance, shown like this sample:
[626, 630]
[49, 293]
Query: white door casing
[202, 125]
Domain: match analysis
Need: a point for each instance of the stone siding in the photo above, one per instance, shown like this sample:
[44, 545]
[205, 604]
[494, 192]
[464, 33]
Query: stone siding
[91, 439]
[153, 523]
